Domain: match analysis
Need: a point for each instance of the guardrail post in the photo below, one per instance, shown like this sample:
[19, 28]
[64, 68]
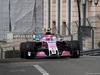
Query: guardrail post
[1, 52]
[13, 52]
[92, 39]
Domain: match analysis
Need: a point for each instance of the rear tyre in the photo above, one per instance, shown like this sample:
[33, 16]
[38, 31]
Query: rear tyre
[74, 49]
[30, 47]
[22, 49]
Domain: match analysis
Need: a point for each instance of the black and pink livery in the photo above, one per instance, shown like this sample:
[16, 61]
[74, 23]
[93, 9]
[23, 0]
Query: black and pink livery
[48, 45]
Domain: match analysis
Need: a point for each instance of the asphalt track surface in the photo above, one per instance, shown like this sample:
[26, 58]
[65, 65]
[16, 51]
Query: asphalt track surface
[85, 65]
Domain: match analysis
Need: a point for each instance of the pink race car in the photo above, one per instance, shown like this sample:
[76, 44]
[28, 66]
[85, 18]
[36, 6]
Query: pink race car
[49, 46]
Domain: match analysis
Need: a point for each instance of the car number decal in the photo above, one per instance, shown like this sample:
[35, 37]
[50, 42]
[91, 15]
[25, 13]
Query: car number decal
[52, 47]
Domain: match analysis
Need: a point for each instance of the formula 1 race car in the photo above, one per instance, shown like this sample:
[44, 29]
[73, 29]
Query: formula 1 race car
[49, 46]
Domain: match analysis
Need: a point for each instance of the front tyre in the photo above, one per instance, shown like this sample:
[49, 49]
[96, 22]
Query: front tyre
[75, 54]
[74, 49]
[22, 49]
[30, 50]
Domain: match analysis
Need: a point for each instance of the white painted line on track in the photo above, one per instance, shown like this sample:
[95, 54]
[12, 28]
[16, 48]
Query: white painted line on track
[92, 73]
[40, 69]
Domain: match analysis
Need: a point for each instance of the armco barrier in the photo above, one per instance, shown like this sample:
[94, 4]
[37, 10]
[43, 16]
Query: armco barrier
[91, 52]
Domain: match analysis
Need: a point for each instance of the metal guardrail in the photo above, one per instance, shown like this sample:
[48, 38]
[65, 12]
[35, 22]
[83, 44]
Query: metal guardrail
[91, 52]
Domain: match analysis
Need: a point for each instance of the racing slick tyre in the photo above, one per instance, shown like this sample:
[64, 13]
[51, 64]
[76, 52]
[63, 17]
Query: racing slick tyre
[22, 49]
[30, 50]
[74, 49]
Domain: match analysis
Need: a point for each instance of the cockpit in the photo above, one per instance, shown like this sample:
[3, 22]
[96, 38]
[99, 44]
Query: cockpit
[48, 33]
